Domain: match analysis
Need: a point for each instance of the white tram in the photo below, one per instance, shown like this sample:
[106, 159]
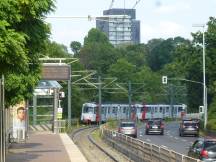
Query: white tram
[90, 111]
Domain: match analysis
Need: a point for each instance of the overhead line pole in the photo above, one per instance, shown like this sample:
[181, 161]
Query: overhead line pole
[99, 97]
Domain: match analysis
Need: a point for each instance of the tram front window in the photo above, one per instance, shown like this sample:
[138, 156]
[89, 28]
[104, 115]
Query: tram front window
[88, 110]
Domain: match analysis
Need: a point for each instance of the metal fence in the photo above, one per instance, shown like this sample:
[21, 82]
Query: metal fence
[142, 151]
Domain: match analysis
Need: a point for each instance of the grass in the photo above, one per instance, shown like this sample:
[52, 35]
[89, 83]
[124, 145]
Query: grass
[96, 134]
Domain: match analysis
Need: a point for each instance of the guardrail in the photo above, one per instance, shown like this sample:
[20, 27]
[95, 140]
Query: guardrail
[139, 150]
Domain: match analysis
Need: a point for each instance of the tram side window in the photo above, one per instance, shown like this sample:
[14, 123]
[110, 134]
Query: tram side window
[156, 109]
[161, 109]
[180, 109]
[124, 110]
[94, 109]
[85, 109]
[102, 110]
[167, 109]
[148, 109]
[113, 110]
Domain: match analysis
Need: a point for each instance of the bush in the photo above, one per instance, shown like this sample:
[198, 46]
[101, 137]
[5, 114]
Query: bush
[211, 125]
[112, 124]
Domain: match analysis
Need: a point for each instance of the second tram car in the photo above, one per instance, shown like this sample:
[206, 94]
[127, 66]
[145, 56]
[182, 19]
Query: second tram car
[90, 111]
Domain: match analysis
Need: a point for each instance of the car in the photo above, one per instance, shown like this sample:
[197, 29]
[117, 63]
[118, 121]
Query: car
[128, 128]
[154, 126]
[204, 149]
[189, 127]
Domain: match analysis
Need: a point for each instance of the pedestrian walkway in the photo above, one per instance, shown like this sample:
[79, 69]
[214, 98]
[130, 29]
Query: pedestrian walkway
[45, 147]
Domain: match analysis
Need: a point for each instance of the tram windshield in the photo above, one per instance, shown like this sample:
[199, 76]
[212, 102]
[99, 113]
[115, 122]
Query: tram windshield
[87, 109]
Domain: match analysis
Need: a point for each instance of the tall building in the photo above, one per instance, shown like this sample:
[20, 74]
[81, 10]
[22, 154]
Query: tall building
[120, 25]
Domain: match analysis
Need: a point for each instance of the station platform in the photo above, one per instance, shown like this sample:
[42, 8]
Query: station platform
[45, 147]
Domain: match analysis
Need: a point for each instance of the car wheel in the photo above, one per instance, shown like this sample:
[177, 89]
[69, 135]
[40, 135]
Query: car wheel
[180, 134]
[146, 132]
[162, 133]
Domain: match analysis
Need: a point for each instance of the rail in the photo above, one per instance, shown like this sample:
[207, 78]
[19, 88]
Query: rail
[142, 151]
[92, 128]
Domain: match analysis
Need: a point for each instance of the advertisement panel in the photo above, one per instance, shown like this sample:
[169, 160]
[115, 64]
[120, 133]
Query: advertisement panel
[19, 121]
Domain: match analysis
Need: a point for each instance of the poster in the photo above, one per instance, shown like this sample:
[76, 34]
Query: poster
[19, 121]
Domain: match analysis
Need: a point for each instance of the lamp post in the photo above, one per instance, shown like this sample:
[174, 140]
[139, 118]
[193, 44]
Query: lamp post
[204, 78]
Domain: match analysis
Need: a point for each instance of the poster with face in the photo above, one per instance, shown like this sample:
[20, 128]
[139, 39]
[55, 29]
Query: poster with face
[19, 121]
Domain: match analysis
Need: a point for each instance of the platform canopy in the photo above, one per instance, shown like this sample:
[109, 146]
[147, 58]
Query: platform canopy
[45, 87]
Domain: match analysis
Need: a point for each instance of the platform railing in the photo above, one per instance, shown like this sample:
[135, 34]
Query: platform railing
[142, 151]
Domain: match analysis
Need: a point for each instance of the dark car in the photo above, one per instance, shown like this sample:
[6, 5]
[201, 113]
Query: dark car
[128, 128]
[189, 127]
[203, 149]
[154, 127]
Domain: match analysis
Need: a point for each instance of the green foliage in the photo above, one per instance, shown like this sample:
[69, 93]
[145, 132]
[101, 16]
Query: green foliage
[123, 70]
[97, 53]
[112, 124]
[75, 47]
[161, 51]
[56, 50]
[211, 125]
[22, 36]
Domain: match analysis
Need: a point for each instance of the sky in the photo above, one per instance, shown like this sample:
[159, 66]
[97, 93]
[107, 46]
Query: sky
[158, 18]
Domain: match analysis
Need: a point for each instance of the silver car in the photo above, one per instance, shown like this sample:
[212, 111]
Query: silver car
[189, 127]
[204, 149]
[128, 128]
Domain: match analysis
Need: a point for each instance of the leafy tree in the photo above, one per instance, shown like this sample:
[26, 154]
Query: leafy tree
[56, 50]
[97, 53]
[135, 54]
[75, 47]
[123, 70]
[23, 33]
[150, 89]
[161, 51]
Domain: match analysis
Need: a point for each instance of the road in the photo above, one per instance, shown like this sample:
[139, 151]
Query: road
[170, 139]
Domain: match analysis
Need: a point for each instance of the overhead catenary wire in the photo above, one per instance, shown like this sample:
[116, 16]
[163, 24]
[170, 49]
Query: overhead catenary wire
[136, 4]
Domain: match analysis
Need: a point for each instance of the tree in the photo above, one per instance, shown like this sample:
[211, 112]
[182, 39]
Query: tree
[97, 53]
[75, 47]
[54, 49]
[135, 54]
[23, 33]
[161, 51]
[123, 70]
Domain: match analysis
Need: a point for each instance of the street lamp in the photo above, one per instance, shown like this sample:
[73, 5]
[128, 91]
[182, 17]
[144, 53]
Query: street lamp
[204, 77]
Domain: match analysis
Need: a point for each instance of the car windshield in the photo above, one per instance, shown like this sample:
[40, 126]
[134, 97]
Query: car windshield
[210, 145]
[156, 122]
[127, 124]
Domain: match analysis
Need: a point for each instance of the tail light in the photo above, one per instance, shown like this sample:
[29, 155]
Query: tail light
[204, 153]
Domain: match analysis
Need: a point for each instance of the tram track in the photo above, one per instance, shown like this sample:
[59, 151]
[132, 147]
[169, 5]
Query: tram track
[95, 150]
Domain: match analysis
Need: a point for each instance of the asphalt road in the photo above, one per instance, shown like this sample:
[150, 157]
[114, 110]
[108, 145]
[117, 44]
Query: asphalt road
[170, 139]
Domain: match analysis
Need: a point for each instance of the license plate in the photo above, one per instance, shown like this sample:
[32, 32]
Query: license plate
[155, 127]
